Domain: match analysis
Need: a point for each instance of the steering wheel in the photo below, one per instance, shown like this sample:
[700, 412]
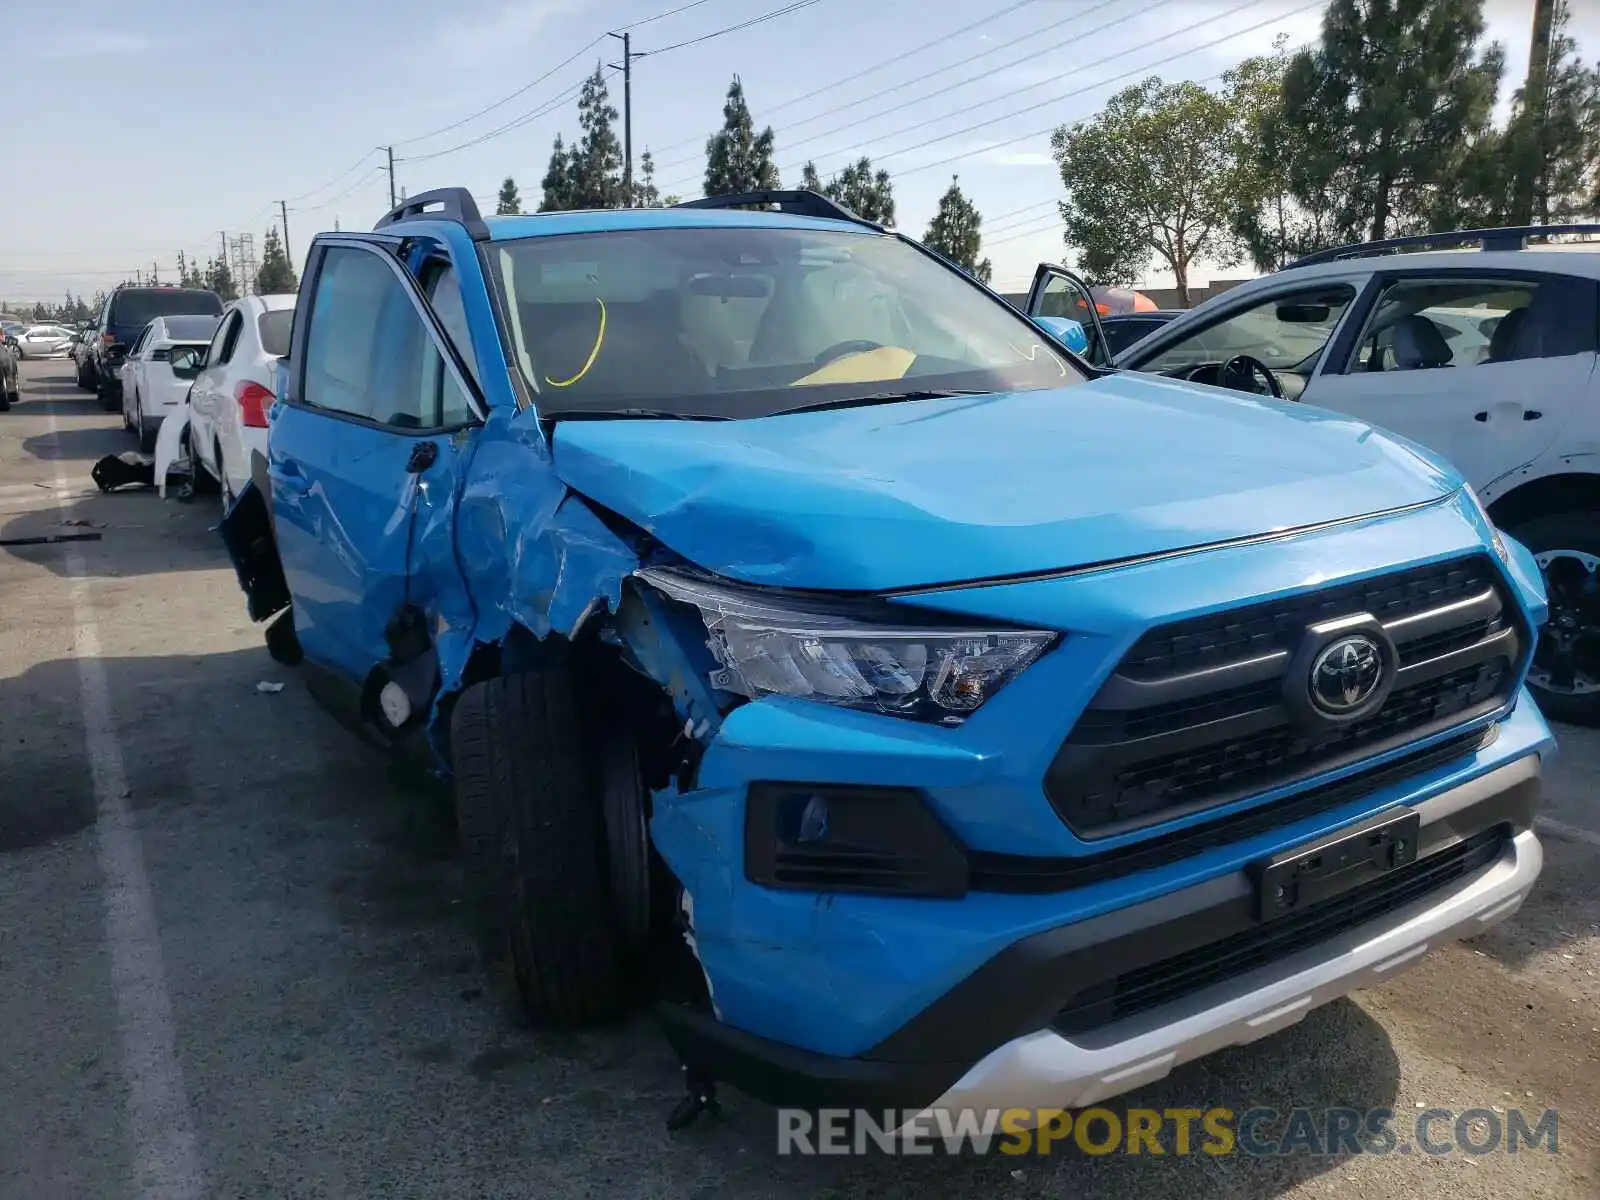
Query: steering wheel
[840, 349]
[1241, 372]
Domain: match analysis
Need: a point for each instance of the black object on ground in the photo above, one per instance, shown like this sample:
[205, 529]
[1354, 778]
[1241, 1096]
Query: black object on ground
[122, 470]
[50, 539]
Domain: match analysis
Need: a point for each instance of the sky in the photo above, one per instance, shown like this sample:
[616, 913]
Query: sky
[130, 133]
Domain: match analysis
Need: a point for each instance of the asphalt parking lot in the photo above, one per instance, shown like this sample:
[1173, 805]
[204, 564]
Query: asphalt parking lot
[234, 961]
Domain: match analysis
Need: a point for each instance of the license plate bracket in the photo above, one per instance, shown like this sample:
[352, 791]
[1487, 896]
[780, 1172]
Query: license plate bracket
[1330, 865]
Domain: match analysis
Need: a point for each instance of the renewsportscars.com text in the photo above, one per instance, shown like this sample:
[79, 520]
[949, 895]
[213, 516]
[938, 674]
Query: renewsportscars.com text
[1172, 1131]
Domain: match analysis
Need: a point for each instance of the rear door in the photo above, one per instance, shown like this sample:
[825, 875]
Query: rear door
[364, 455]
[1057, 292]
[1484, 368]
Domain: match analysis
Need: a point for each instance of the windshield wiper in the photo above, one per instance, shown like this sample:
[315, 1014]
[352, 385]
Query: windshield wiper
[887, 398]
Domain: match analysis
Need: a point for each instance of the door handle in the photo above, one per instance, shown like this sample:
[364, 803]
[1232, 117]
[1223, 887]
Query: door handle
[286, 474]
[1480, 416]
[1531, 414]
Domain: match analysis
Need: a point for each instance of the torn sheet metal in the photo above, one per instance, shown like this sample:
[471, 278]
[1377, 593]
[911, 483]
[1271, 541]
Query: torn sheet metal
[170, 450]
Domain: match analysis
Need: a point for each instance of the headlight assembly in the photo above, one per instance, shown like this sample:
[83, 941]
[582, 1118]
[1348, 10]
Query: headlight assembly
[770, 646]
[1494, 534]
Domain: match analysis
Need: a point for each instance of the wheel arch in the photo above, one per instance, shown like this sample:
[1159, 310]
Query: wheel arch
[1566, 491]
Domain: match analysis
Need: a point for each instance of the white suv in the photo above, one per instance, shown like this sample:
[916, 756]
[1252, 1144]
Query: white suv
[1486, 356]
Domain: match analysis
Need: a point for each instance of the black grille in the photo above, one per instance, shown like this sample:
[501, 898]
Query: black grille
[1183, 974]
[1246, 632]
[1158, 743]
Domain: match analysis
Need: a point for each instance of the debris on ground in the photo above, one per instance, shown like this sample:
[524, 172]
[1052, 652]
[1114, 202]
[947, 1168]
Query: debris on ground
[123, 470]
[267, 686]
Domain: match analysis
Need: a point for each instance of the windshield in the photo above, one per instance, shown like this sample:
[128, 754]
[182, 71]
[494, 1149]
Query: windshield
[1281, 332]
[748, 322]
[274, 328]
[140, 307]
[191, 329]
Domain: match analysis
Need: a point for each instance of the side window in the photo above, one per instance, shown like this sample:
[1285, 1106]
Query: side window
[230, 335]
[443, 290]
[1429, 324]
[214, 350]
[1064, 298]
[1286, 332]
[138, 342]
[368, 351]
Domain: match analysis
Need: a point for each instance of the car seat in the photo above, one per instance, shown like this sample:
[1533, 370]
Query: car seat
[1417, 344]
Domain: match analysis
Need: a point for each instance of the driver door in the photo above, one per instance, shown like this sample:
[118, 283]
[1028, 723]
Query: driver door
[1286, 330]
[1057, 292]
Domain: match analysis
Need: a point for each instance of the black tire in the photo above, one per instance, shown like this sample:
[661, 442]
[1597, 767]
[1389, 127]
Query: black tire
[110, 397]
[85, 380]
[532, 839]
[1580, 532]
[5, 401]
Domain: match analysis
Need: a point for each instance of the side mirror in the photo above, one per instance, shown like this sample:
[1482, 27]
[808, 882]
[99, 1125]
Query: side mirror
[187, 361]
[1065, 330]
[117, 348]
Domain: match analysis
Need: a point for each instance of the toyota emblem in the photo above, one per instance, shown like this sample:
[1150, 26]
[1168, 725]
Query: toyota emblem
[1345, 674]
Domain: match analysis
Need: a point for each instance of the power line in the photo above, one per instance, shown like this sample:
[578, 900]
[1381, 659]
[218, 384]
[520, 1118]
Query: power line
[1006, 10]
[1078, 35]
[1166, 37]
[341, 175]
[1080, 91]
[796, 6]
[516, 122]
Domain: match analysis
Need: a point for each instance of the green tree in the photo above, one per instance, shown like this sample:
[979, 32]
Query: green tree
[594, 166]
[865, 192]
[955, 232]
[558, 180]
[509, 202]
[645, 192]
[1553, 149]
[738, 159]
[1271, 225]
[1149, 176]
[1393, 102]
[276, 274]
[220, 279]
[808, 178]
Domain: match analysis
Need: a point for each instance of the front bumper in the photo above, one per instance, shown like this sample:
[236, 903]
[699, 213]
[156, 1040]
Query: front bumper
[1003, 1038]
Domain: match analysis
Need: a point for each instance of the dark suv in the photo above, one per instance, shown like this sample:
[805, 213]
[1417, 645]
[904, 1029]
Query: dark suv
[127, 311]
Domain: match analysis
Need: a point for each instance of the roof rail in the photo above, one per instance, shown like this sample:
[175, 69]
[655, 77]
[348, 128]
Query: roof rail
[803, 203]
[455, 204]
[1510, 237]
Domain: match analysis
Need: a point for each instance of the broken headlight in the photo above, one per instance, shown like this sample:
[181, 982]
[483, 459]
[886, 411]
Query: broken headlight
[771, 646]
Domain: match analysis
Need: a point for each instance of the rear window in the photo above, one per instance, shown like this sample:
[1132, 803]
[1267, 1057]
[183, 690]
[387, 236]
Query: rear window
[274, 329]
[140, 306]
[191, 329]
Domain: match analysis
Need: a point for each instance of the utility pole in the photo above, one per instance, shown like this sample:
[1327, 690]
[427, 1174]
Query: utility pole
[627, 115]
[283, 211]
[390, 150]
[1529, 156]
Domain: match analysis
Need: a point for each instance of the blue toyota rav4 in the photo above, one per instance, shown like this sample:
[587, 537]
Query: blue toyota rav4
[923, 717]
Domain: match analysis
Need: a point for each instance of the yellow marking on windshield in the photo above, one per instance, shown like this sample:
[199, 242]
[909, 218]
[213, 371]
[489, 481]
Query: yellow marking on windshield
[599, 339]
[864, 366]
[1032, 355]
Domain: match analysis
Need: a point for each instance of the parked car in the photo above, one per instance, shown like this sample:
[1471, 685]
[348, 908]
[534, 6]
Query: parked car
[44, 341]
[1123, 330]
[1487, 356]
[229, 402]
[127, 311]
[83, 361]
[162, 364]
[977, 727]
[8, 375]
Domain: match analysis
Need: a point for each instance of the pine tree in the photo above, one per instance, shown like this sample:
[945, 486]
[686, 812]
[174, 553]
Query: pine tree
[509, 202]
[276, 275]
[1391, 103]
[645, 192]
[219, 279]
[1556, 152]
[737, 158]
[808, 178]
[558, 180]
[955, 232]
[594, 167]
[864, 192]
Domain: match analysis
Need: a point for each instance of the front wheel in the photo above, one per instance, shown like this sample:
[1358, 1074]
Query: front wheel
[533, 838]
[1565, 676]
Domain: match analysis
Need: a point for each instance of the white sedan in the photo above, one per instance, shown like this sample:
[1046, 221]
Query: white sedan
[228, 405]
[160, 366]
[44, 341]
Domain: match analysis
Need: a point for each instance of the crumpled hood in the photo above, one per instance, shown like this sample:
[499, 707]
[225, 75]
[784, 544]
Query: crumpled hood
[898, 495]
